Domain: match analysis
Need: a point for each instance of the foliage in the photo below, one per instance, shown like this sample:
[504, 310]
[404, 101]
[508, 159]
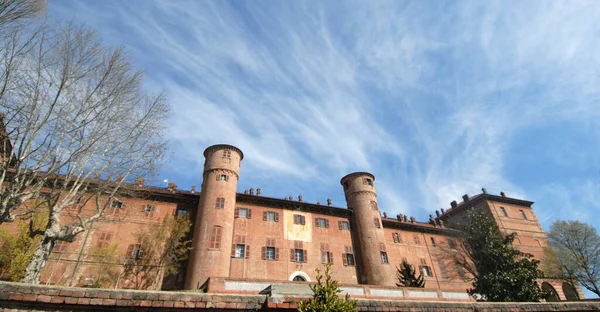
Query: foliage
[76, 124]
[577, 249]
[500, 272]
[407, 276]
[107, 272]
[161, 251]
[16, 249]
[325, 295]
[15, 13]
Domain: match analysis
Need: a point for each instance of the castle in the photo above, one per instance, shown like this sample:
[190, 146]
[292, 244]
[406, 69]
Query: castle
[243, 242]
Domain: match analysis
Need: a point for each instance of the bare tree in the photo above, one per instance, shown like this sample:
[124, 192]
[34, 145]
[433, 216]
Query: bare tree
[75, 117]
[18, 11]
[576, 248]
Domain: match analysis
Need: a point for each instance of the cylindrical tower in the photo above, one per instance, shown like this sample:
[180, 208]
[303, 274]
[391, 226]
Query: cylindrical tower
[213, 230]
[367, 228]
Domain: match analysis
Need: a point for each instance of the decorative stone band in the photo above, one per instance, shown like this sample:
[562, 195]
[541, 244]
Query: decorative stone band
[357, 193]
[211, 149]
[219, 171]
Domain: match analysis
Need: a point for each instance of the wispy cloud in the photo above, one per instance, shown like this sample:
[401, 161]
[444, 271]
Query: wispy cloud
[435, 99]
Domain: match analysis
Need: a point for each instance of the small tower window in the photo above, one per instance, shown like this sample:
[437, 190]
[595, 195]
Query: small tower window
[220, 203]
[426, 271]
[523, 214]
[226, 154]
[346, 185]
[367, 181]
[384, 257]
[376, 222]
[222, 177]
[374, 205]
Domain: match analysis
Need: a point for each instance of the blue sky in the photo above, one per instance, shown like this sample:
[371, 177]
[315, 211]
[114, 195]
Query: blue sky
[436, 99]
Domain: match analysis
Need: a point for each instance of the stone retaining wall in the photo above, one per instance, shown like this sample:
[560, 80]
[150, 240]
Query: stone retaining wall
[33, 298]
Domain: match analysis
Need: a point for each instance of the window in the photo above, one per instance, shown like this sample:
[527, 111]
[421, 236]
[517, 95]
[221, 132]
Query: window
[374, 205]
[504, 211]
[443, 270]
[215, 237]
[222, 177]
[396, 237]
[270, 252]
[220, 203]
[226, 154]
[299, 278]
[243, 213]
[348, 256]
[271, 216]
[298, 254]
[181, 212]
[239, 249]
[322, 222]
[376, 222]
[461, 271]
[135, 251]
[367, 181]
[344, 225]
[346, 185]
[452, 243]
[426, 271]
[115, 207]
[104, 239]
[523, 214]
[45, 195]
[149, 210]
[326, 256]
[433, 242]
[384, 257]
[417, 239]
[299, 219]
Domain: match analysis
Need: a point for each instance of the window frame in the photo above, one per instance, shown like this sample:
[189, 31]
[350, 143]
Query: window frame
[243, 213]
[272, 249]
[384, 257]
[220, 203]
[504, 212]
[240, 251]
[523, 214]
[344, 225]
[299, 255]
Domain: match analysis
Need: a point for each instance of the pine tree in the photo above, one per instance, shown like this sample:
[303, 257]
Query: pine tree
[407, 277]
[325, 296]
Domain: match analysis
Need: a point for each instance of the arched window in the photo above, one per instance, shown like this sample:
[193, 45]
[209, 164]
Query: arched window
[570, 292]
[299, 278]
[552, 295]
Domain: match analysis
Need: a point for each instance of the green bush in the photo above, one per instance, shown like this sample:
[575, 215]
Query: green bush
[325, 296]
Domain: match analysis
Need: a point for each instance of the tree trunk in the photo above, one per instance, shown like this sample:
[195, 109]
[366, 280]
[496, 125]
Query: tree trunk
[38, 261]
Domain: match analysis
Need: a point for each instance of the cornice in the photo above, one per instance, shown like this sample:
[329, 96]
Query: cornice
[418, 227]
[485, 197]
[211, 149]
[356, 174]
[292, 205]
[223, 170]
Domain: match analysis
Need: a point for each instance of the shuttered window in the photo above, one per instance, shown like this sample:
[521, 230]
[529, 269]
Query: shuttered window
[215, 237]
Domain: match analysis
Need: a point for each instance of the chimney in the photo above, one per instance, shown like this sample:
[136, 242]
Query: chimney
[329, 202]
[412, 219]
[484, 190]
[139, 182]
[453, 204]
[246, 192]
[466, 197]
[291, 198]
[442, 209]
[437, 213]
[399, 217]
[300, 198]
[405, 218]
[502, 194]
[258, 191]
[172, 187]
[193, 189]
[441, 223]
[318, 203]
[251, 191]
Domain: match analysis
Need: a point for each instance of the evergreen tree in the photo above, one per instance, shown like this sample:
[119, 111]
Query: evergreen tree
[407, 277]
[501, 273]
[325, 296]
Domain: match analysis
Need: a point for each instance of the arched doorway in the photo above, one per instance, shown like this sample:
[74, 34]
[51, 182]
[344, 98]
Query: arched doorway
[552, 295]
[299, 276]
[570, 292]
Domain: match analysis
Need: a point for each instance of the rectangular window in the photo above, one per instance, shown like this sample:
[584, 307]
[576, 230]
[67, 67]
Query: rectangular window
[417, 239]
[222, 177]
[396, 237]
[443, 270]
[426, 271]
[433, 242]
[376, 222]
[240, 251]
[367, 181]
[135, 251]
[348, 256]
[116, 204]
[322, 222]
[299, 219]
[344, 225]
[504, 211]
[270, 253]
[45, 195]
[271, 216]
[226, 154]
[181, 212]
[220, 203]
[215, 237]
[326, 256]
[104, 239]
[374, 205]
[523, 214]
[384, 257]
[452, 243]
[149, 211]
[298, 255]
[243, 213]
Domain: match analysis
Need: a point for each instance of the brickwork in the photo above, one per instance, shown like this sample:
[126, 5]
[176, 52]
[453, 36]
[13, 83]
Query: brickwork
[22, 297]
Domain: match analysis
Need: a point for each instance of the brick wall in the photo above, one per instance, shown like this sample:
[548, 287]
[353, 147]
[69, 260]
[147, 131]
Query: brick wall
[23, 297]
